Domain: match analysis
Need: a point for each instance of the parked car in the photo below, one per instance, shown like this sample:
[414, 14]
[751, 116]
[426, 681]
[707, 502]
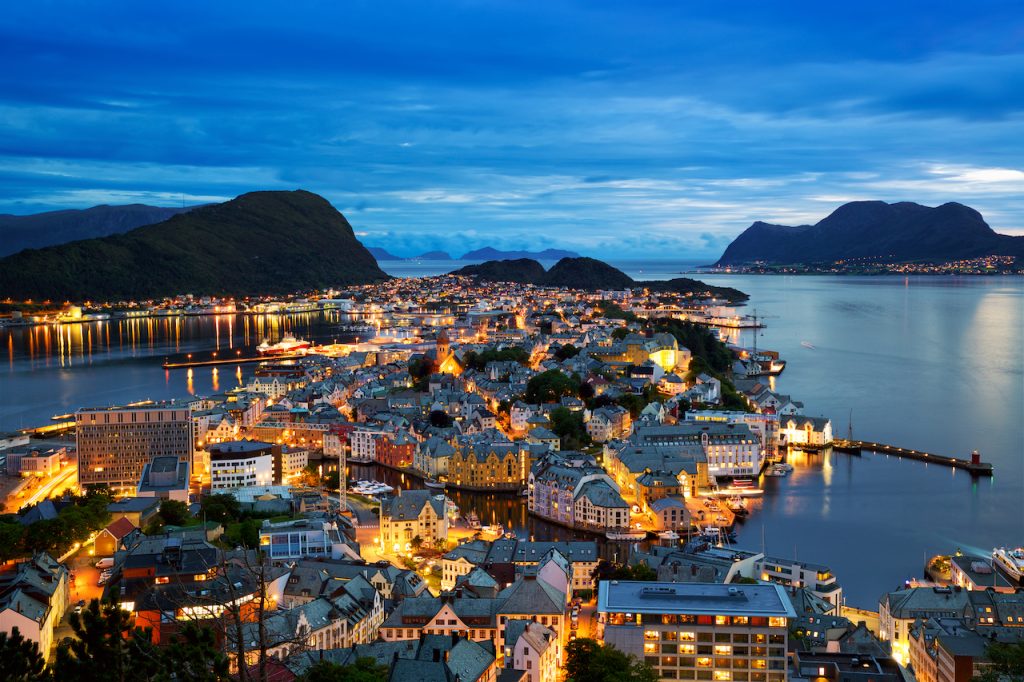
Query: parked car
[105, 562]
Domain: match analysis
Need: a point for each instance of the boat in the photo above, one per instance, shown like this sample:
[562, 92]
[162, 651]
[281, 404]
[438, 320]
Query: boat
[1011, 561]
[784, 466]
[742, 483]
[737, 505]
[808, 344]
[287, 345]
[772, 471]
[496, 530]
[633, 535]
[473, 520]
[435, 484]
[371, 488]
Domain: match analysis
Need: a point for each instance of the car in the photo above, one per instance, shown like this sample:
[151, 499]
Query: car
[418, 559]
[106, 562]
[572, 636]
[81, 602]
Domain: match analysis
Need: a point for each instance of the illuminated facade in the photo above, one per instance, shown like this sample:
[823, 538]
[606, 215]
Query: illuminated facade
[704, 631]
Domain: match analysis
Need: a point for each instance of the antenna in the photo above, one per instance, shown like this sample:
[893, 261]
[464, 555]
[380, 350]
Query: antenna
[849, 426]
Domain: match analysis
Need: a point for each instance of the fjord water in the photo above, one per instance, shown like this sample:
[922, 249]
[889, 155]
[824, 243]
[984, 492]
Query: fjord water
[933, 363]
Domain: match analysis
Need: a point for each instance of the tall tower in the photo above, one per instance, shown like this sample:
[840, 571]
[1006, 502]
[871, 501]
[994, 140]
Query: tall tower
[443, 347]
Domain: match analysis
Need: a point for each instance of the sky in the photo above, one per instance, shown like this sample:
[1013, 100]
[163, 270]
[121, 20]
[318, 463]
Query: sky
[616, 129]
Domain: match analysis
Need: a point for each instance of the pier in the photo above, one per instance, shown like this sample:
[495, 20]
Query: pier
[187, 364]
[972, 464]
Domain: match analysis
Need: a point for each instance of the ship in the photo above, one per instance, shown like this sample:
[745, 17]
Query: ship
[1011, 561]
[286, 346]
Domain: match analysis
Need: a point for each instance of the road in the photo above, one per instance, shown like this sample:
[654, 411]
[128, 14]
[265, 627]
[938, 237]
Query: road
[65, 479]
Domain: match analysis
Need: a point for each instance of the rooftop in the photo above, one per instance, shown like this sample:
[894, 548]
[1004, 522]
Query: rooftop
[693, 598]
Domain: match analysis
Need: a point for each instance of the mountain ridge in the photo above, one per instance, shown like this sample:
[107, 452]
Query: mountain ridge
[271, 242]
[584, 273]
[901, 231]
[50, 228]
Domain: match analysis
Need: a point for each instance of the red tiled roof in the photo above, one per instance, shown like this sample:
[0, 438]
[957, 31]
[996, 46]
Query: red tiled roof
[118, 529]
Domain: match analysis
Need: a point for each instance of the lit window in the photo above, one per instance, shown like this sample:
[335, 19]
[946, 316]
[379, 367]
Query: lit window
[723, 649]
[777, 622]
[687, 649]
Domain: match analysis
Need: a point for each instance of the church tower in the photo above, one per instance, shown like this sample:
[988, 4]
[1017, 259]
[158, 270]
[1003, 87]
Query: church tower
[443, 347]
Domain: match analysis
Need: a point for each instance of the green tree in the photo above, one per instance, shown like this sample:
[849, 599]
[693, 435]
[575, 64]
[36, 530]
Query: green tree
[20, 658]
[416, 543]
[567, 351]
[551, 385]
[588, 661]
[569, 427]
[221, 507]
[174, 513]
[12, 539]
[193, 656]
[1006, 662]
[440, 419]
[100, 649]
[363, 670]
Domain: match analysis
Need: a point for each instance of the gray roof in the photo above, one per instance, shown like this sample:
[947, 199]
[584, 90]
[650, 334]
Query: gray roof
[408, 505]
[616, 596]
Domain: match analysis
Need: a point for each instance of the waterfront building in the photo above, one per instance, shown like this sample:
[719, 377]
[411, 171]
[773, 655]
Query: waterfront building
[797, 430]
[289, 461]
[698, 630]
[241, 463]
[433, 456]
[626, 461]
[34, 595]
[494, 465]
[897, 612]
[413, 514]
[575, 494]
[978, 573]
[363, 443]
[731, 449]
[395, 449]
[817, 578]
[115, 444]
[764, 426]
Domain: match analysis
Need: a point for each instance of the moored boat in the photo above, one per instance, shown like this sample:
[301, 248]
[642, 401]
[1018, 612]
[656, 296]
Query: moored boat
[1010, 561]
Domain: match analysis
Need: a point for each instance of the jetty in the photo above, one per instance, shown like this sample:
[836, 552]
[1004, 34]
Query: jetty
[187, 364]
[972, 464]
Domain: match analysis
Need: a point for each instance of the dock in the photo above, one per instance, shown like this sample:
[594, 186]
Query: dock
[188, 364]
[972, 464]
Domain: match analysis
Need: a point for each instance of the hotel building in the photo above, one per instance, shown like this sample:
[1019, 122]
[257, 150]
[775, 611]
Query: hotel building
[115, 444]
[699, 631]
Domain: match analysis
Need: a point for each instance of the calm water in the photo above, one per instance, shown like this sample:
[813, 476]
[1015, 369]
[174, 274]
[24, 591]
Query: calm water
[930, 363]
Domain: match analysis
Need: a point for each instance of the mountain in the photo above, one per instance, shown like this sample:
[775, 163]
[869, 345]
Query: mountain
[488, 253]
[585, 273]
[382, 254]
[37, 230]
[433, 255]
[903, 231]
[257, 243]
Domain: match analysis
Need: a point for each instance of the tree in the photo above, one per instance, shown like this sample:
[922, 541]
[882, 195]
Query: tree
[21, 659]
[363, 670]
[1006, 662]
[416, 543]
[221, 507]
[101, 651]
[174, 513]
[420, 370]
[567, 351]
[440, 419]
[549, 386]
[193, 656]
[569, 427]
[588, 661]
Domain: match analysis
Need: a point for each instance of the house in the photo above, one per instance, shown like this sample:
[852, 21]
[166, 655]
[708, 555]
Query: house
[797, 430]
[34, 595]
[897, 612]
[302, 538]
[413, 514]
[575, 493]
[112, 538]
[608, 422]
[670, 514]
[139, 510]
[532, 648]
[484, 466]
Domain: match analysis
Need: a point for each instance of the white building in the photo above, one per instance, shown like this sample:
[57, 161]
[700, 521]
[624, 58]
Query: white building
[304, 538]
[33, 598]
[241, 463]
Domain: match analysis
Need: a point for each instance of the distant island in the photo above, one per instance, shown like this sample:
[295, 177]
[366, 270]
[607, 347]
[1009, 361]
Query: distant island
[587, 274]
[382, 254]
[489, 253]
[36, 230]
[433, 255]
[257, 243]
[864, 232]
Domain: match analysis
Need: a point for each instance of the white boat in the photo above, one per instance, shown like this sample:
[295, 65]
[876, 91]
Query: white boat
[784, 466]
[669, 535]
[1011, 561]
[286, 346]
[626, 535]
[808, 345]
[431, 483]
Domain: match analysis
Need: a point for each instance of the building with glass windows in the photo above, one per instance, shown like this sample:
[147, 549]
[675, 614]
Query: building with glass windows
[699, 631]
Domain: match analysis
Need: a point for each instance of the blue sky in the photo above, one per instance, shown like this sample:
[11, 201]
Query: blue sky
[612, 128]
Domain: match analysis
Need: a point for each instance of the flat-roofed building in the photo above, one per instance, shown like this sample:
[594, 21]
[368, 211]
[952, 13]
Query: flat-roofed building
[115, 444]
[166, 478]
[241, 463]
[699, 630]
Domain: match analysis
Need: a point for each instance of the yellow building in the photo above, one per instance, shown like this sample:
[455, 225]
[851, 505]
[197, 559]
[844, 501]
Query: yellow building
[488, 466]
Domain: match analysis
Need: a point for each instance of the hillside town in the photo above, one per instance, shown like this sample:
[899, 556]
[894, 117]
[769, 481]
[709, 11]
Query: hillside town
[314, 517]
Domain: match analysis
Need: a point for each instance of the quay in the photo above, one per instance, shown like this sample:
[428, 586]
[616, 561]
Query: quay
[974, 465]
[187, 364]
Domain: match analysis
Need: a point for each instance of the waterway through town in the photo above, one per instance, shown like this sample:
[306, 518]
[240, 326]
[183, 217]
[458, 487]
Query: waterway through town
[933, 363]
